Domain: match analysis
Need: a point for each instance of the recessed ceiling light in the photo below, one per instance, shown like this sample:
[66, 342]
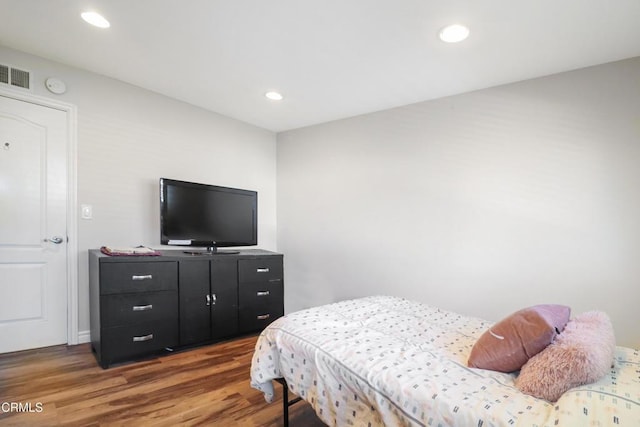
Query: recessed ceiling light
[95, 19]
[274, 96]
[454, 33]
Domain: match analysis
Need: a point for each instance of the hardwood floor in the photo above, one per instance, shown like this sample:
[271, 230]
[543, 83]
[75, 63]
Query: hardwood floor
[64, 385]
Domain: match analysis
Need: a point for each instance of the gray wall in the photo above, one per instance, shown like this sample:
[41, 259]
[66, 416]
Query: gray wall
[128, 138]
[482, 203]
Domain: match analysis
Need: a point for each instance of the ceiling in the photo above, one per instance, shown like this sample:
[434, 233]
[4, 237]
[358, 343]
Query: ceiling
[330, 59]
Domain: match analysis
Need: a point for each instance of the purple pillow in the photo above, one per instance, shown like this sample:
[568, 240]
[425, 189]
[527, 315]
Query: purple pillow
[581, 354]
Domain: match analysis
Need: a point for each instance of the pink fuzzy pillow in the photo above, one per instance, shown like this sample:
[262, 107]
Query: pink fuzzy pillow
[508, 344]
[581, 354]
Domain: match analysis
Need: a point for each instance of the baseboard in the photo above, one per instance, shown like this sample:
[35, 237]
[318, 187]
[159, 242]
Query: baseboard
[84, 337]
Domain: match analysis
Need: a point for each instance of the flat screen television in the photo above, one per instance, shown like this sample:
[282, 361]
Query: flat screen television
[208, 216]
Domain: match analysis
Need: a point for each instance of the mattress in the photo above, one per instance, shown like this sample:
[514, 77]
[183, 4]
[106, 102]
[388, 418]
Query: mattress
[388, 361]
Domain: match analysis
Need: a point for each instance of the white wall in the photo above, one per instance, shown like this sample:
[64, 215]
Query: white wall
[128, 138]
[481, 203]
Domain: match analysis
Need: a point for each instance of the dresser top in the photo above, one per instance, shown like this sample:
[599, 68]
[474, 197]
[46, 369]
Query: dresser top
[182, 254]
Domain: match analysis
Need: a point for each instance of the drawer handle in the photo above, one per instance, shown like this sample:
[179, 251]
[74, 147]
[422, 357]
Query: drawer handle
[262, 293]
[263, 316]
[274, 280]
[144, 277]
[143, 338]
[262, 270]
[142, 307]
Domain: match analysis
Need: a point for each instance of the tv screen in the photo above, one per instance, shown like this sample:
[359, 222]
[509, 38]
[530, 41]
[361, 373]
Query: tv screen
[193, 214]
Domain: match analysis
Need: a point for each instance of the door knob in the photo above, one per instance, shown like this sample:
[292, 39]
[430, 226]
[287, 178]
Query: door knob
[55, 239]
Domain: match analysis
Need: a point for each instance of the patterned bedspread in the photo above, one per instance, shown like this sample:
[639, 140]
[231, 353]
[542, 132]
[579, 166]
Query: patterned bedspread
[386, 361]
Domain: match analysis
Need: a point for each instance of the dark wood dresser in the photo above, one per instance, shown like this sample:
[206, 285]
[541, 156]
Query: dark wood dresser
[143, 305]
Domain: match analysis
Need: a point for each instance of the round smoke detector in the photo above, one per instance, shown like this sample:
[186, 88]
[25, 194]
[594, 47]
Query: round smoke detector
[56, 86]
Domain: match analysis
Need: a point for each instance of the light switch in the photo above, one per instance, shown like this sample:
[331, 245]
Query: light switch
[87, 211]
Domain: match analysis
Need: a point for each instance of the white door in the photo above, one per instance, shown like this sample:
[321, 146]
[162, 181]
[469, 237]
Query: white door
[33, 230]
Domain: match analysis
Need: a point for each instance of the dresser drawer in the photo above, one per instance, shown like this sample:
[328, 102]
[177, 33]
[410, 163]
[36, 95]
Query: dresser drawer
[259, 294]
[126, 342]
[267, 269]
[125, 277]
[257, 318]
[126, 309]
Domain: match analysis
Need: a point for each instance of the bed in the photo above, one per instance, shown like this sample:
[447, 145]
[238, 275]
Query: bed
[388, 361]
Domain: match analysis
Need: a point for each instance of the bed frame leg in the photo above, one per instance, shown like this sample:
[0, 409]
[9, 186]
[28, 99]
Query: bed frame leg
[286, 402]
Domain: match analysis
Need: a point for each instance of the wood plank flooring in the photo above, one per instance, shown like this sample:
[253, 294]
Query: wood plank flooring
[206, 386]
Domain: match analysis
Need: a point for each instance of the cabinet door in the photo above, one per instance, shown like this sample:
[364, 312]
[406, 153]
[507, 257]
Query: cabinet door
[195, 323]
[224, 288]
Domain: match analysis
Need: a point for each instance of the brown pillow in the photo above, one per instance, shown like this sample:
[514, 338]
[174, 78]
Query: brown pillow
[508, 344]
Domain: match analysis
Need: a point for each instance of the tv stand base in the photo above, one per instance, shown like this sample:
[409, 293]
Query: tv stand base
[216, 252]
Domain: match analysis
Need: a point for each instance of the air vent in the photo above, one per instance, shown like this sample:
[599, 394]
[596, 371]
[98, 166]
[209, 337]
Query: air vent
[15, 77]
[4, 74]
[20, 78]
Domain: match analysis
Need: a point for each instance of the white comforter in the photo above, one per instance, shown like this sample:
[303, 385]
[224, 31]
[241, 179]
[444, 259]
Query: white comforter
[385, 361]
